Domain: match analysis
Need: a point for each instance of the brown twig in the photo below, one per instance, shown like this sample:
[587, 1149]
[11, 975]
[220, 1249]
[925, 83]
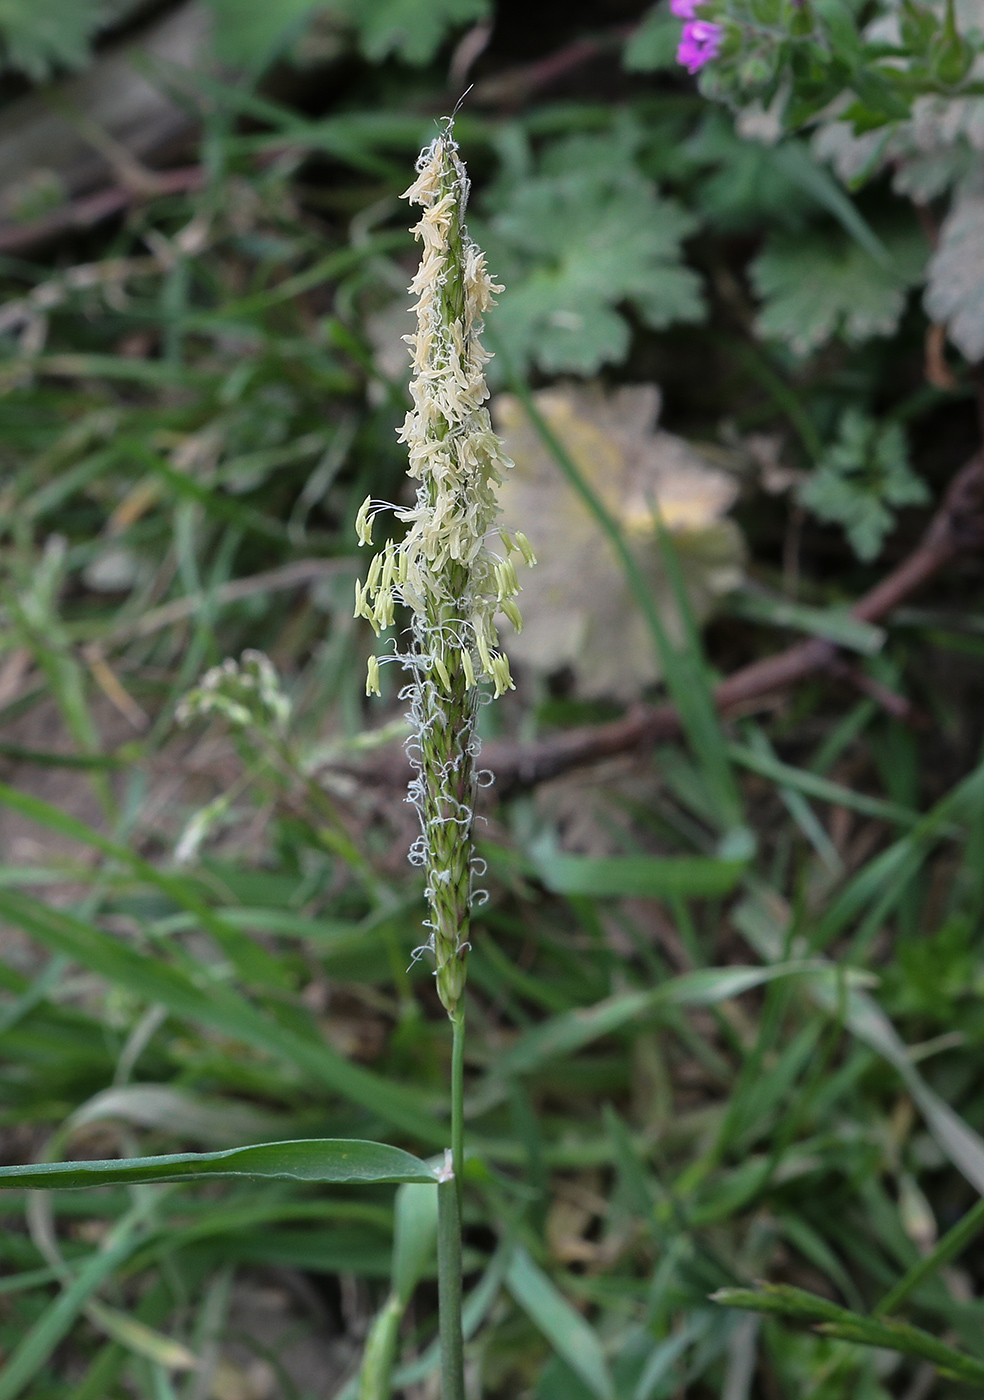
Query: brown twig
[937, 371]
[516, 85]
[894, 704]
[511, 86]
[293, 575]
[957, 526]
[92, 209]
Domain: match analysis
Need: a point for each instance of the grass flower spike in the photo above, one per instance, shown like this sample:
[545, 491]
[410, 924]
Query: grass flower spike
[454, 569]
[454, 572]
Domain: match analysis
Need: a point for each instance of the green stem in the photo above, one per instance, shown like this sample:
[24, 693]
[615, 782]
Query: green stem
[449, 1289]
[458, 1097]
[449, 1228]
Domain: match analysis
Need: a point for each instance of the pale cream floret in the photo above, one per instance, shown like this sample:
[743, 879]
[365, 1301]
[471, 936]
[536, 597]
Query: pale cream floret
[428, 182]
[452, 451]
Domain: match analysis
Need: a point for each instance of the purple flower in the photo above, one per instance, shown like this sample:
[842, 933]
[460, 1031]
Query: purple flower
[684, 9]
[699, 43]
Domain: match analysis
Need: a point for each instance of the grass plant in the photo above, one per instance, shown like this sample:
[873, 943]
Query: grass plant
[721, 1082]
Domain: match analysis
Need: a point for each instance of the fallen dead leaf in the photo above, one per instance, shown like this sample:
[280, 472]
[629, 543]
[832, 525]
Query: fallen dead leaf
[578, 608]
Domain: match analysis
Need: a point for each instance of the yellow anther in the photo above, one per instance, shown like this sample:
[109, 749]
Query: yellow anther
[363, 522]
[525, 548]
[389, 567]
[509, 608]
[500, 674]
[383, 612]
[483, 650]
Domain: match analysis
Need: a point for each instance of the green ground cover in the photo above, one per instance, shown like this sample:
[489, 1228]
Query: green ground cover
[724, 996]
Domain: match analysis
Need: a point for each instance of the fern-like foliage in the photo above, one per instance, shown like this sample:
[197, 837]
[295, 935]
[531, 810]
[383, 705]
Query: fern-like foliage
[252, 32]
[40, 36]
[409, 29]
[576, 242]
[819, 285]
[862, 479]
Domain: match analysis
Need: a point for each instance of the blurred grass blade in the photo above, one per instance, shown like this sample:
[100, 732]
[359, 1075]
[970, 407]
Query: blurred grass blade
[760, 367]
[953, 1243]
[883, 881]
[31, 1278]
[250, 959]
[478, 1304]
[647, 877]
[786, 1301]
[34, 993]
[363, 1252]
[36, 1346]
[379, 1352]
[144, 1341]
[338, 1160]
[760, 918]
[811, 785]
[815, 1249]
[221, 506]
[44, 759]
[572, 1030]
[963, 1146]
[665, 1356]
[742, 1358]
[796, 162]
[799, 809]
[689, 681]
[126, 368]
[215, 1122]
[220, 1008]
[415, 1232]
[833, 624]
[325, 269]
[565, 1330]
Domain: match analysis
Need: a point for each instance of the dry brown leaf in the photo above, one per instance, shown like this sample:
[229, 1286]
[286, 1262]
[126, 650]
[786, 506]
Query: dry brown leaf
[955, 295]
[577, 606]
[565, 1231]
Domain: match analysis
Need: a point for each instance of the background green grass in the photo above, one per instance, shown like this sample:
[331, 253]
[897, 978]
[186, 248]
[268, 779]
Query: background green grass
[736, 1035]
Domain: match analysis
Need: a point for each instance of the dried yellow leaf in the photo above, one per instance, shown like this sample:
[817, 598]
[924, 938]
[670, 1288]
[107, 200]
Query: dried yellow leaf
[578, 609]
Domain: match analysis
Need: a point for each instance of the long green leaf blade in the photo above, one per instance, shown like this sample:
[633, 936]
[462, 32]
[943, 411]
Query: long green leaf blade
[34, 1348]
[572, 1030]
[249, 958]
[784, 1300]
[340, 1161]
[565, 1329]
[646, 877]
[220, 1008]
